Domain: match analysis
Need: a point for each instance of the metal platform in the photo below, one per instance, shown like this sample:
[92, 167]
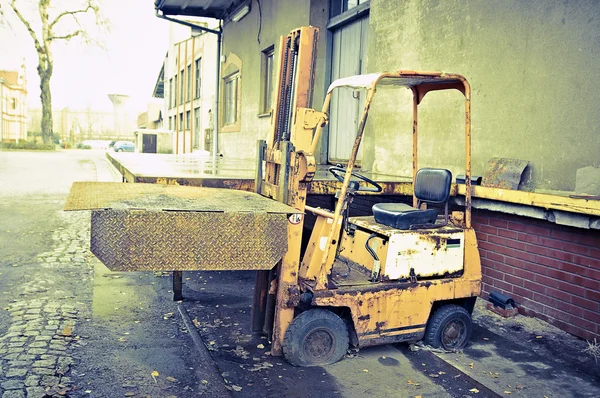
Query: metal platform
[222, 172]
[152, 227]
[238, 174]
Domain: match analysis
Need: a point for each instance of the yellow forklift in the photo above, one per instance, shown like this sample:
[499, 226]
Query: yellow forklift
[404, 273]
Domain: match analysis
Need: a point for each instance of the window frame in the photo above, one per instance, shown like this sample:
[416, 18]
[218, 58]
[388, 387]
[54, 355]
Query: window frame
[188, 91]
[198, 81]
[182, 87]
[175, 80]
[232, 72]
[267, 81]
[234, 80]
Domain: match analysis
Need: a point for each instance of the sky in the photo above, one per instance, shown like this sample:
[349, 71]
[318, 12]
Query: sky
[84, 74]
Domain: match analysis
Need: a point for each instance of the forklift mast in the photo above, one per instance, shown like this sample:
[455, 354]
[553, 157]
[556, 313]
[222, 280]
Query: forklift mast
[285, 167]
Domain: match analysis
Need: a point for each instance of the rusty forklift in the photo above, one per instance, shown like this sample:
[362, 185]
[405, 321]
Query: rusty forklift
[404, 273]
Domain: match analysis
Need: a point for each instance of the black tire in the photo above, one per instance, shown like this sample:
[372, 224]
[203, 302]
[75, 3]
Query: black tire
[315, 338]
[449, 328]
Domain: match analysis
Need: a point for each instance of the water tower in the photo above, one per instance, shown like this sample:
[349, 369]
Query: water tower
[121, 115]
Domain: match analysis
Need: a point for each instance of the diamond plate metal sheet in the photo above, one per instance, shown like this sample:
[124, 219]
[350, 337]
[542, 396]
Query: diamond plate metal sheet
[115, 195]
[131, 240]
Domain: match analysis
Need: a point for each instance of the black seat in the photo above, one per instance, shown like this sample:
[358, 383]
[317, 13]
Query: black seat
[431, 186]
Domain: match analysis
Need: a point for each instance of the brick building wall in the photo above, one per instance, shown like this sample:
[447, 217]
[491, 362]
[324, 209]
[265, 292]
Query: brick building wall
[551, 271]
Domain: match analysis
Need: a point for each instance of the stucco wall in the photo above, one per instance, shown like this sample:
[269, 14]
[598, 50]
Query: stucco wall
[533, 69]
[247, 39]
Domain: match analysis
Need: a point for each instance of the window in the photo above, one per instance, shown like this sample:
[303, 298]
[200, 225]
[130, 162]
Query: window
[170, 123]
[182, 88]
[187, 120]
[175, 93]
[230, 94]
[198, 77]
[341, 6]
[180, 127]
[230, 102]
[170, 93]
[197, 144]
[13, 103]
[188, 95]
[267, 80]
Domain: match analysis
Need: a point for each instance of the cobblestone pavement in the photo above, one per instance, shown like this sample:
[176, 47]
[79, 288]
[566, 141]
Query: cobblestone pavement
[68, 326]
[37, 350]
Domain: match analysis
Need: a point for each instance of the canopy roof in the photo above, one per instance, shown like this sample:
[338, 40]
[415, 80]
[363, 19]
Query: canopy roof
[198, 8]
[421, 82]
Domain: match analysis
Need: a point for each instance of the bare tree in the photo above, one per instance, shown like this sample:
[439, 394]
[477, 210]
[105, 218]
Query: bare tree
[54, 25]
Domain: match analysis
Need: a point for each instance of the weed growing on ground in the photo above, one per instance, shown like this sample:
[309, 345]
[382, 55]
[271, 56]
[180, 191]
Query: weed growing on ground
[593, 349]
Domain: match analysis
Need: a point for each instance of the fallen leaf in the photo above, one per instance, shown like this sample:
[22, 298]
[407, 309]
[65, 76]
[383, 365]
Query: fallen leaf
[236, 388]
[130, 394]
[205, 382]
[471, 365]
[433, 375]
[195, 322]
[520, 386]
[154, 375]
[539, 337]
[366, 370]
[67, 331]
[171, 379]
[485, 338]
[442, 373]
[507, 392]
[474, 390]
[260, 346]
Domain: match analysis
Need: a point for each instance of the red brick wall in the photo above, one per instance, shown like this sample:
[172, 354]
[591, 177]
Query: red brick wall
[551, 271]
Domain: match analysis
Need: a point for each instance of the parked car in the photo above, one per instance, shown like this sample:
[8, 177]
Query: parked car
[124, 146]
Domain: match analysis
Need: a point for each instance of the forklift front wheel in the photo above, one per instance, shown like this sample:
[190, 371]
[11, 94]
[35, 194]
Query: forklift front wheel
[316, 337]
[449, 328]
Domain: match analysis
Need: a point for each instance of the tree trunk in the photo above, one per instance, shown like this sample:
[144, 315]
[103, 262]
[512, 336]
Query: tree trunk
[46, 97]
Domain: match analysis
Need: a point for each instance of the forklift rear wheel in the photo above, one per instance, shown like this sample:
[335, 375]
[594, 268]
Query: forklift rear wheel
[449, 328]
[316, 337]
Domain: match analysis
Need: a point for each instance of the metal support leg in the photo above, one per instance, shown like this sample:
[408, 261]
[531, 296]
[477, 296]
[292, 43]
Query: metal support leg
[177, 285]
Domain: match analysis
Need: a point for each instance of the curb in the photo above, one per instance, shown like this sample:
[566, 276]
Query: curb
[212, 383]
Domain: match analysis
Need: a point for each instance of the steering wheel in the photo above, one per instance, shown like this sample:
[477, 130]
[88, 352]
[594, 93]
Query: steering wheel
[339, 173]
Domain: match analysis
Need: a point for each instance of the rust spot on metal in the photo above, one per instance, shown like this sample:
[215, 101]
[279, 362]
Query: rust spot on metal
[364, 317]
[504, 173]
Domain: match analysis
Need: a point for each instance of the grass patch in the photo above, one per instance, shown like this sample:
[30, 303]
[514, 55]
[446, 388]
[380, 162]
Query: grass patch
[27, 145]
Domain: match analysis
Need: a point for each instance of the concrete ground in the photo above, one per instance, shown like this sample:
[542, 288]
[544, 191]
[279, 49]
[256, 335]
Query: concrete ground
[70, 327]
[521, 356]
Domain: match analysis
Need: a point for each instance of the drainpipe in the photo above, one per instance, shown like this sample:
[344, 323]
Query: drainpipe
[219, 33]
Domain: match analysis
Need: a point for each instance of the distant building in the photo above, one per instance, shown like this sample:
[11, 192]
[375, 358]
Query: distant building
[78, 125]
[187, 84]
[152, 118]
[13, 108]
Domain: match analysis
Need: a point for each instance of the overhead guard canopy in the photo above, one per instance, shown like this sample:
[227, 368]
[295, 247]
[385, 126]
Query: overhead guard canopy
[421, 82]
